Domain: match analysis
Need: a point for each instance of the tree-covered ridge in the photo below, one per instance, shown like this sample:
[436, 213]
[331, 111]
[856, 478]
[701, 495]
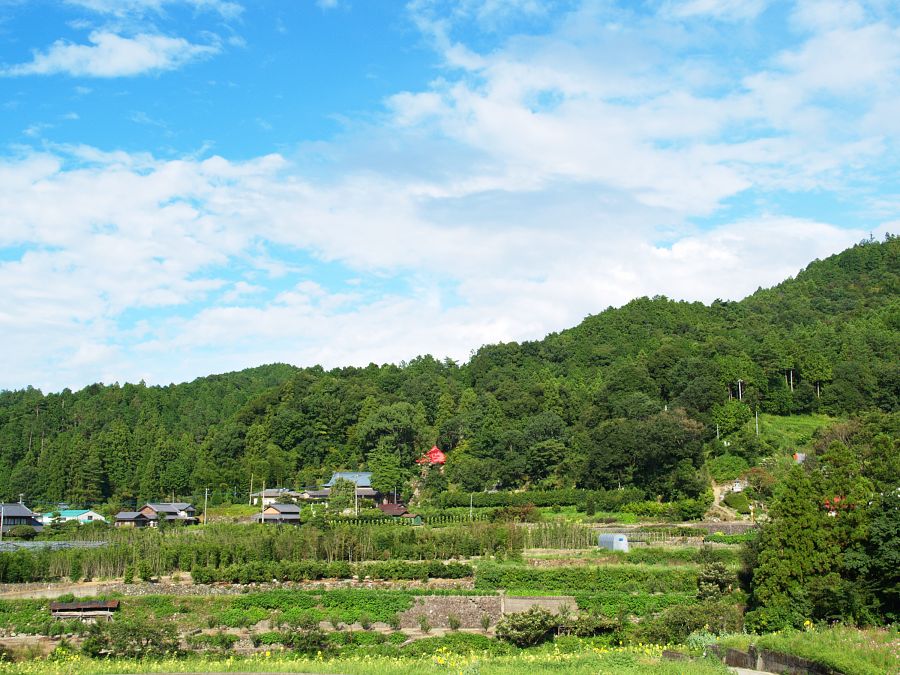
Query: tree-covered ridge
[630, 397]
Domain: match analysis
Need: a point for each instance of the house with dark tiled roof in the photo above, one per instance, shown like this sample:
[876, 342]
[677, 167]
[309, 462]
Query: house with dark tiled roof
[131, 519]
[181, 513]
[19, 514]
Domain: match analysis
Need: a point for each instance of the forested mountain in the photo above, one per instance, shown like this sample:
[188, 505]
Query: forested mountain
[632, 397]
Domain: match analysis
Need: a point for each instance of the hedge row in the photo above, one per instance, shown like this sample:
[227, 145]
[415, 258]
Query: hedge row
[311, 570]
[613, 603]
[602, 578]
[604, 500]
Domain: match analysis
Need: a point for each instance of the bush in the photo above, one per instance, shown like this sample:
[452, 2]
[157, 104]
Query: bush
[128, 575]
[241, 618]
[133, 639]
[676, 623]
[424, 624]
[453, 622]
[455, 643]
[727, 467]
[525, 513]
[719, 538]
[525, 629]
[144, 572]
[589, 625]
[714, 581]
[25, 532]
[217, 642]
[737, 501]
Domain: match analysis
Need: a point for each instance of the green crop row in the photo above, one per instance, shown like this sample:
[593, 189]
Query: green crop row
[310, 570]
[627, 578]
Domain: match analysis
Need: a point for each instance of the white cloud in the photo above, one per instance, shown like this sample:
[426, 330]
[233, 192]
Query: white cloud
[112, 55]
[125, 8]
[819, 15]
[129, 232]
[723, 10]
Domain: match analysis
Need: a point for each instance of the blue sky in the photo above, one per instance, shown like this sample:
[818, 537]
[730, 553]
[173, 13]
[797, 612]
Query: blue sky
[195, 186]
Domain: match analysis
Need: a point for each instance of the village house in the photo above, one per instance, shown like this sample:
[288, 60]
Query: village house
[274, 496]
[131, 519]
[362, 479]
[66, 515]
[151, 514]
[398, 511]
[279, 514]
[19, 514]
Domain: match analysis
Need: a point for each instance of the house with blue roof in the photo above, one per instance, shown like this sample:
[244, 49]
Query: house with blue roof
[363, 479]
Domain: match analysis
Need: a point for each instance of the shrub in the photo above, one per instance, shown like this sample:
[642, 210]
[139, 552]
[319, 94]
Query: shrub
[75, 568]
[453, 622]
[737, 501]
[727, 467]
[485, 622]
[714, 581]
[218, 642]
[524, 513]
[528, 628]
[25, 532]
[676, 623]
[589, 625]
[424, 624]
[309, 642]
[135, 639]
[128, 576]
[241, 618]
[365, 621]
[144, 572]
[719, 538]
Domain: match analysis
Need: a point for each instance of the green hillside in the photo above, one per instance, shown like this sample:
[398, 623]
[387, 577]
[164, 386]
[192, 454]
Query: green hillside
[630, 397]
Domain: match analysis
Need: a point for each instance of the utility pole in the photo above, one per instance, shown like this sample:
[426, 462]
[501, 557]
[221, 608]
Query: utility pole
[251, 489]
[1, 522]
[717, 431]
[757, 421]
[740, 391]
[471, 500]
[262, 501]
[205, 507]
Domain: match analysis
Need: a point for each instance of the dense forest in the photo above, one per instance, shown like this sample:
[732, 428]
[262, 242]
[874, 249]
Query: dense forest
[631, 397]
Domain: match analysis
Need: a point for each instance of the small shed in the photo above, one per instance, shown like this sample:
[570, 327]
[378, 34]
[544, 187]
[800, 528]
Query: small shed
[88, 611]
[613, 542]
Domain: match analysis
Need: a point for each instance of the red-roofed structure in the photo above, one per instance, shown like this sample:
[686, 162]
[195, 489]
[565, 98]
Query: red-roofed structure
[433, 456]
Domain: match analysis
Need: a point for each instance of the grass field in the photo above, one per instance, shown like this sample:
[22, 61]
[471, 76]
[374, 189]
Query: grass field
[848, 650]
[790, 433]
[576, 658]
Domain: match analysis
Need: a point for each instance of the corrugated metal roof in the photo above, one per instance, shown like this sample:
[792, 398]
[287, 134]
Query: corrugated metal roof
[83, 605]
[361, 478]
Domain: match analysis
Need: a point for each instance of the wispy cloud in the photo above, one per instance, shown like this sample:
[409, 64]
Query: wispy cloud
[124, 8]
[112, 55]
